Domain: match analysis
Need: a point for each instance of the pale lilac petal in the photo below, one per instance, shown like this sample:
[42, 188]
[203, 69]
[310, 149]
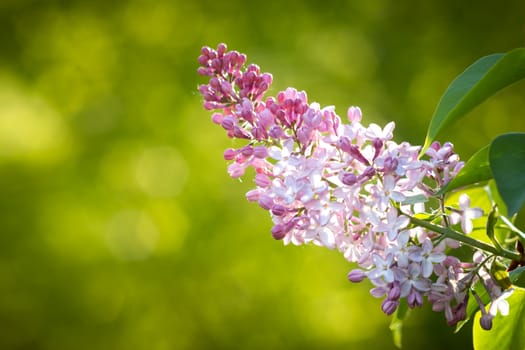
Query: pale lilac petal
[406, 286]
[389, 276]
[397, 196]
[474, 213]
[426, 268]
[464, 201]
[327, 238]
[467, 226]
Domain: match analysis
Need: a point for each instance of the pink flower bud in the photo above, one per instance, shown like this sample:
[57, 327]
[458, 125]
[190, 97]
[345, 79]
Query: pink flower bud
[228, 122]
[221, 49]
[203, 60]
[281, 116]
[278, 232]
[414, 299]
[227, 88]
[435, 146]
[388, 306]
[236, 170]
[247, 151]
[395, 291]
[344, 144]
[281, 97]
[217, 118]
[215, 83]
[210, 97]
[229, 154]
[267, 78]
[262, 180]
[278, 210]
[202, 71]
[210, 105]
[266, 202]
[259, 133]
[486, 322]
[206, 50]
[253, 68]
[349, 179]
[356, 275]
[216, 64]
[354, 114]
[240, 133]
[253, 195]
[299, 106]
[266, 118]
[260, 152]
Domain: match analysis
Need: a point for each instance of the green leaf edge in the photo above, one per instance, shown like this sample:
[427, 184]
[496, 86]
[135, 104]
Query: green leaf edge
[511, 208]
[472, 87]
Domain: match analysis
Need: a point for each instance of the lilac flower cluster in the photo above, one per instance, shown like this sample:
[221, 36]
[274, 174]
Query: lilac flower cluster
[344, 186]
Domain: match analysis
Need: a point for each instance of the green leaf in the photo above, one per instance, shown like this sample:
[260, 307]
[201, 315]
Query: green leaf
[492, 219]
[478, 82]
[517, 276]
[396, 325]
[418, 198]
[507, 331]
[495, 198]
[507, 163]
[476, 169]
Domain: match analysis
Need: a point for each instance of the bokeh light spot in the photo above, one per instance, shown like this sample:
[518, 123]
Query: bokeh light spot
[161, 171]
[30, 130]
[131, 235]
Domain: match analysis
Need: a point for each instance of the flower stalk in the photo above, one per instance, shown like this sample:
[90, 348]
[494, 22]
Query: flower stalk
[457, 236]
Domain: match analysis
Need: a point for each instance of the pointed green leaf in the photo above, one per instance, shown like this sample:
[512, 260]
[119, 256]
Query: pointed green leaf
[478, 82]
[517, 277]
[507, 163]
[507, 331]
[476, 169]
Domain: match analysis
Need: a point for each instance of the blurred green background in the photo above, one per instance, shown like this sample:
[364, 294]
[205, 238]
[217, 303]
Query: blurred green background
[120, 228]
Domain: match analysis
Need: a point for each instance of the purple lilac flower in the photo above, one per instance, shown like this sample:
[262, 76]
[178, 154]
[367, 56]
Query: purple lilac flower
[465, 214]
[344, 186]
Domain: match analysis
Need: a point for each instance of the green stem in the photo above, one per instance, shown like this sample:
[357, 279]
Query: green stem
[450, 233]
[512, 227]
